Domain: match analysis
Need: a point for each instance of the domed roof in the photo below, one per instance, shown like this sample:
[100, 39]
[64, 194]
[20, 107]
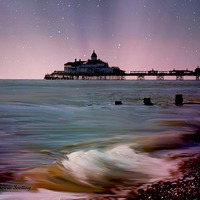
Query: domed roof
[94, 56]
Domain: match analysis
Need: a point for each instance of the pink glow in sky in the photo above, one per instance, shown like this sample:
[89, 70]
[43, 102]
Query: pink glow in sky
[39, 36]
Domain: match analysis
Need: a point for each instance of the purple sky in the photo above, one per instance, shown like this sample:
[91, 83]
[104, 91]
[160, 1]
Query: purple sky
[39, 36]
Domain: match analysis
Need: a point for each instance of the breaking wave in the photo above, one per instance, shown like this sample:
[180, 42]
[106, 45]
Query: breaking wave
[121, 164]
[143, 160]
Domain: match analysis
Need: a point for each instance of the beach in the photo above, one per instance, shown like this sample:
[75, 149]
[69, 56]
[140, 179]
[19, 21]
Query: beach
[68, 140]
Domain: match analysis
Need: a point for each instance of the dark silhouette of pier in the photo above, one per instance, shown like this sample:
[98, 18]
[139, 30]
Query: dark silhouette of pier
[121, 75]
[179, 74]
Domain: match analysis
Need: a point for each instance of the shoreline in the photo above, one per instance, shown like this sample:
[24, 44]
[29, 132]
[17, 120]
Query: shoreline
[186, 187]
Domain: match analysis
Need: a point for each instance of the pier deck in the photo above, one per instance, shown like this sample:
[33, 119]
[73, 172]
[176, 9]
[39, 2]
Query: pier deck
[160, 75]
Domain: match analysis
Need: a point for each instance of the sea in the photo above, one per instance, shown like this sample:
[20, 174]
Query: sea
[66, 139]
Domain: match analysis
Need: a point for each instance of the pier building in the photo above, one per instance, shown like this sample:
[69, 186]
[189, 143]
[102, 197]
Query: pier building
[91, 66]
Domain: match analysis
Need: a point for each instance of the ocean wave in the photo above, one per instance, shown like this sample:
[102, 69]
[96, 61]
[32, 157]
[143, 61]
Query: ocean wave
[118, 165]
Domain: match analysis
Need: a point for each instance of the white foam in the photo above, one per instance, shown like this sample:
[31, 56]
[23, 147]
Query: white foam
[42, 194]
[120, 163]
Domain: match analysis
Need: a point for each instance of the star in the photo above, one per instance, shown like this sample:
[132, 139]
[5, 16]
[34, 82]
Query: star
[116, 27]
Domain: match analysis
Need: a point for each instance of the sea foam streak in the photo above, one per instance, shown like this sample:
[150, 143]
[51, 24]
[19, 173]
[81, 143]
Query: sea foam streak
[121, 164]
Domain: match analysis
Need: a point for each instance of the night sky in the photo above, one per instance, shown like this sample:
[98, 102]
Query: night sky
[39, 36]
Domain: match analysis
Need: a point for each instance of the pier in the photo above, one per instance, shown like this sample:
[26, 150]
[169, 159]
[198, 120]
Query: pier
[96, 69]
[121, 75]
[160, 75]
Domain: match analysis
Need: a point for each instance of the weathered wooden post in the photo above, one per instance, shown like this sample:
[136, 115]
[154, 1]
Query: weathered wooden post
[147, 101]
[118, 102]
[178, 100]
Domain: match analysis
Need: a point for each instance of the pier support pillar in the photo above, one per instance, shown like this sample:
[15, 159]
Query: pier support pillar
[160, 77]
[140, 77]
[179, 77]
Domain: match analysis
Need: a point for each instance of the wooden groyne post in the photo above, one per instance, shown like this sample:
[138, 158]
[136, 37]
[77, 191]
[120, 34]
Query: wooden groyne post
[147, 101]
[179, 100]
